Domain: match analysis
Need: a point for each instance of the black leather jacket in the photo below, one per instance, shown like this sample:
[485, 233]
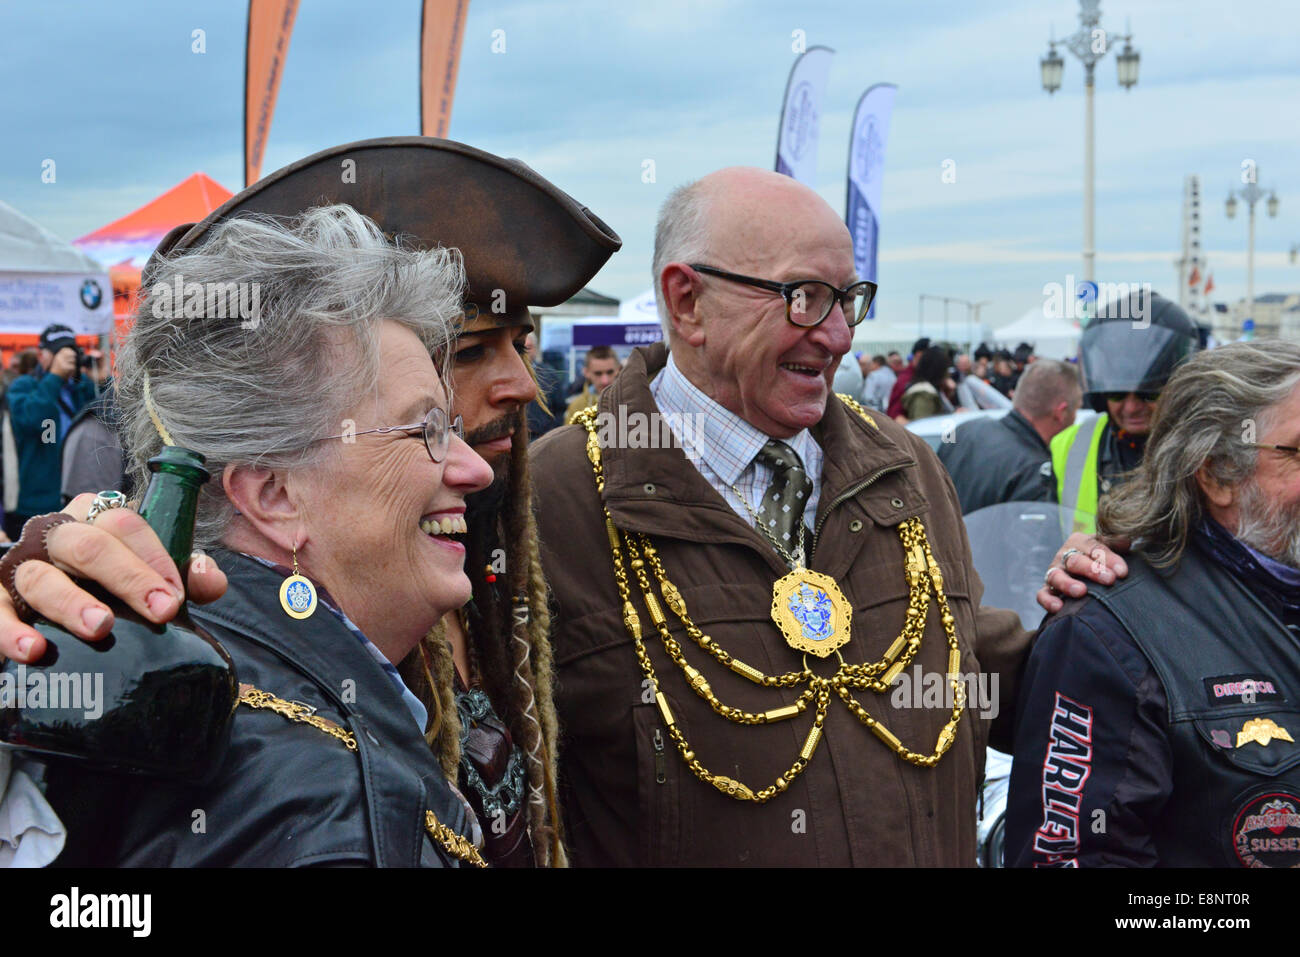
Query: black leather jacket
[1140, 736]
[998, 460]
[288, 794]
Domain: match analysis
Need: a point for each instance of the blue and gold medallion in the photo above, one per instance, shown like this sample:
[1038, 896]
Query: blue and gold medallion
[298, 597]
[811, 612]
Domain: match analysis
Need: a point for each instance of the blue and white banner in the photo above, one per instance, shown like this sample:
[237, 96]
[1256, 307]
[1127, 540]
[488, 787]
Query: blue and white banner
[866, 173]
[801, 115]
[30, 301]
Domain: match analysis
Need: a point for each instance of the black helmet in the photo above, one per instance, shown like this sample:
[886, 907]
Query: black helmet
[1133, 345]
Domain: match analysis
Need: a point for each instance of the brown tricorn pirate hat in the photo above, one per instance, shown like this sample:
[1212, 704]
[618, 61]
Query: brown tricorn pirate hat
[524, 241]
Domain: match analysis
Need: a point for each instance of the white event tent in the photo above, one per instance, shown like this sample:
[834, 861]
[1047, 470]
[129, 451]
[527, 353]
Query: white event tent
[45, 280]
[1051, 338]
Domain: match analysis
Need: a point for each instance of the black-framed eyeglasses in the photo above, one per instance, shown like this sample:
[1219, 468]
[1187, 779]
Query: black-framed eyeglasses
[1121, 396]
[436, 431]
[808, 301]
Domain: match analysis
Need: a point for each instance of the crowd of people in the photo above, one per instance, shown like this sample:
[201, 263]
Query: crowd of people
[672, 651]
[935, 379]
[59, 427]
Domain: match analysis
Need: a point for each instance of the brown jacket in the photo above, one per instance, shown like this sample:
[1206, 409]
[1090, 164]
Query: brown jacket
[629, 797]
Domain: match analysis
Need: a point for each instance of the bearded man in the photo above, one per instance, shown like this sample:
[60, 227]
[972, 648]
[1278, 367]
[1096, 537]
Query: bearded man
[485, 673]
[1158, 721]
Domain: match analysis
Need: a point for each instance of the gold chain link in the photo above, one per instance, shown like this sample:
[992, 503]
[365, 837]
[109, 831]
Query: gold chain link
[455, 844]
[295, 711]
[923, 574]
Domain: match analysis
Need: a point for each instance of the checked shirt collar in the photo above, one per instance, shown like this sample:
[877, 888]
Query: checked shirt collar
[723, 445]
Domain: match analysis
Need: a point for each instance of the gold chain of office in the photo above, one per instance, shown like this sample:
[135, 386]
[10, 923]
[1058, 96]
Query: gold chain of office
[922, 573]
[456, 845]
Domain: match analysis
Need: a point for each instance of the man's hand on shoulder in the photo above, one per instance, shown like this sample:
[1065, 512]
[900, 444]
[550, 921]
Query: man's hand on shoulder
[1081, 559]
[121, 553]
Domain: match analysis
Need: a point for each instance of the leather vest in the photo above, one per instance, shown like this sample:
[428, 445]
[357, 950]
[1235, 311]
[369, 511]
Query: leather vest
[288, 794]
[1231, 676]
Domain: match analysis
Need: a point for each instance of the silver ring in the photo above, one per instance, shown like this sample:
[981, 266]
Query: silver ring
[1047, 578]
[1065, 559]
[103, 502]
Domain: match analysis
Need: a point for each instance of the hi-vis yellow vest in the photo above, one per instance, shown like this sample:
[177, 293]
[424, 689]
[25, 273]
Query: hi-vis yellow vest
[1074, 461]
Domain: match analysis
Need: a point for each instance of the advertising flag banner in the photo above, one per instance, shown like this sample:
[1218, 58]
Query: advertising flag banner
[801, 115]
[869, 137]
[442, 25]
[270, 24]
[30, 301]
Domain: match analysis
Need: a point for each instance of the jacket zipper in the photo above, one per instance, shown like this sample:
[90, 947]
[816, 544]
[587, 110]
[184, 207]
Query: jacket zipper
[844, 496]
[661, 763]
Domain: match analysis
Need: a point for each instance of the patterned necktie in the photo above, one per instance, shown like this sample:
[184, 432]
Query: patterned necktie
[783, 503]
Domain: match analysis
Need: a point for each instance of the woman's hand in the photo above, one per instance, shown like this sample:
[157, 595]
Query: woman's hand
[1084, 556]
[121, 553]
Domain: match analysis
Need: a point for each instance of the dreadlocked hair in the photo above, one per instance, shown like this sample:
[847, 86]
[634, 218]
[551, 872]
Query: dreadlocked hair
[516, 674]
[529, 701]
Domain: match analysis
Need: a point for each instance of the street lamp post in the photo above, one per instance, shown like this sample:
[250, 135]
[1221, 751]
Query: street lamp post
[1251, 194]
[1089, 43]
[920, 309]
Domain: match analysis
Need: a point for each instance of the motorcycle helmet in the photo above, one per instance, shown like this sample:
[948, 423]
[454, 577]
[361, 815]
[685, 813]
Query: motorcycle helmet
[1133, 345]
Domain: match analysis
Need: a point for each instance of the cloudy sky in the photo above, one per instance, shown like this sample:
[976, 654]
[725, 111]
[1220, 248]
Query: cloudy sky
[587, 90]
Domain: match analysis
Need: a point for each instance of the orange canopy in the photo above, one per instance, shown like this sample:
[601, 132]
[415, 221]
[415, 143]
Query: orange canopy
[129, 241]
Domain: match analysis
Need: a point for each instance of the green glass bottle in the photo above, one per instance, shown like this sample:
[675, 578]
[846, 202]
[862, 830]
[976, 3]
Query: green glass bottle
[148, 699]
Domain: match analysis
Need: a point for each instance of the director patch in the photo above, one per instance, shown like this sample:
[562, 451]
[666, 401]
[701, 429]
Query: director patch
[1225, 690]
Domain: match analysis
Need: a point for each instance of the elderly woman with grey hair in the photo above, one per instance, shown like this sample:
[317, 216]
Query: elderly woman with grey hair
[325, 424]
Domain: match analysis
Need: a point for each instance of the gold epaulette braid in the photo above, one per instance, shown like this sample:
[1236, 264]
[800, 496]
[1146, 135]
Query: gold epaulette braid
[455, 845]
[923, 576]
[294, 711]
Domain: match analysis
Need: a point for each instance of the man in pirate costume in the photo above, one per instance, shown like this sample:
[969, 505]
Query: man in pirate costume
[733, 607]
[484, 674]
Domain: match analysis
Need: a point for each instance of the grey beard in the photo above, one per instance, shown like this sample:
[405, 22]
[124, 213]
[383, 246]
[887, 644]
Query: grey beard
[1268, 526]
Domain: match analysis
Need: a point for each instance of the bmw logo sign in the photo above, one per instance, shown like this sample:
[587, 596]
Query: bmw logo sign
[91, 294]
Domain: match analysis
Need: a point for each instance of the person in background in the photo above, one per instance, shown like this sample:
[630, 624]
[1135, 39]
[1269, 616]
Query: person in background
[904, 378]
[41, 409]
[962, 366]
[542, 416]
[1021, 359]
[600, 368]
[21, 363]
[880, 382]
[93, 458]
[928, 391]
[1004, 373]
[1125, 365]
[895, 362]
[24, 362]
[1009, 459]
[848, 378]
